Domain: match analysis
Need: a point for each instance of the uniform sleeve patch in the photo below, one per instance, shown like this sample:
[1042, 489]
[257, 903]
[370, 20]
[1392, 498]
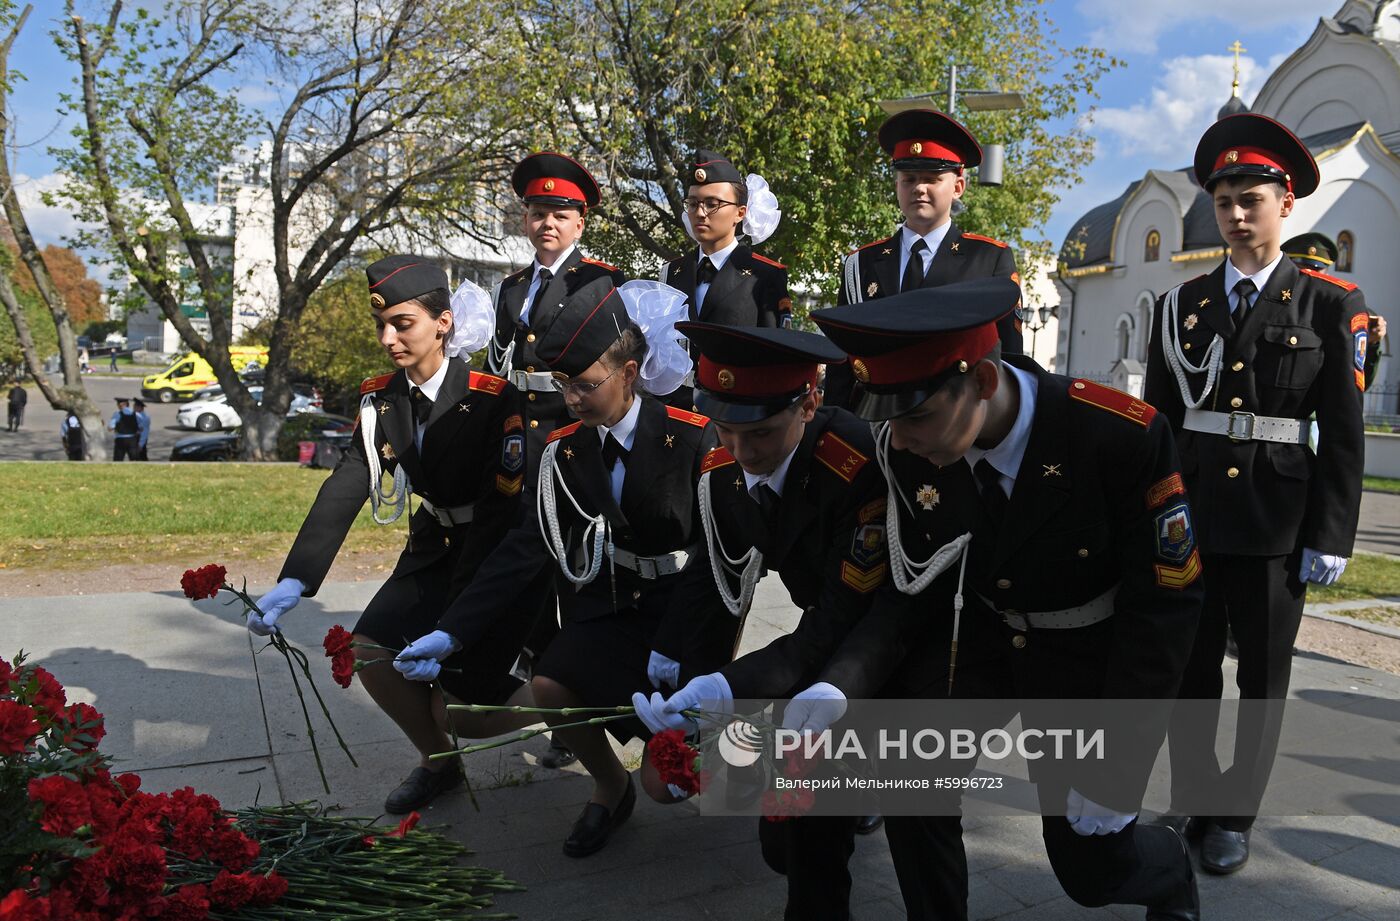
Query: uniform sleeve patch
[509, 485]
[566, 430]
[1176, 541]
[871, 511]
[371, 384]
[1178, 577]
[513, 452]
[1163, 490]
[978, 236]
[1115, 401]
[682, 415]
[487, 383]
[868, 545]
[716, 458]
[839, 457]
[773, 262]
[1344, 285]
[864, 581]
[1359, 341]
[514, 423]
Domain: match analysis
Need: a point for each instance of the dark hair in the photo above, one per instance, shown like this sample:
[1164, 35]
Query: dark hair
[741, 193]
[630, 346]
[435, 302]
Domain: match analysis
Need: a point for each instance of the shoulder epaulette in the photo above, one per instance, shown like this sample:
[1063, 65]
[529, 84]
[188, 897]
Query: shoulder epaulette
[1115, 401]
[978, 236]
[682, 415]
[1344, 285]
[838, 455]
[598, 263]
[487, 382]
[773, 262]
[371, 384]
[718, 457]
[566, 430]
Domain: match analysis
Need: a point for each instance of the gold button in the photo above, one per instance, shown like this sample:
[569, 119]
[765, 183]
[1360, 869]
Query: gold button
[529, 337]
[1292, 340]
[1018, 641]
[1236, 402]
[530, 369]
[1237, 366]
[1186, 346]
[534, 423]
[1078, 385]
[530, 397]
[1083, 552]
[1003, 583]
[1232, 472]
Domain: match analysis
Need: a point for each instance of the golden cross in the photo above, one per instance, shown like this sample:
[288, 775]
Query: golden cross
[1237, 49]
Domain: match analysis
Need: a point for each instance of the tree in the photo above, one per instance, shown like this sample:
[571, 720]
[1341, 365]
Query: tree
[790, 89]
[385, 126]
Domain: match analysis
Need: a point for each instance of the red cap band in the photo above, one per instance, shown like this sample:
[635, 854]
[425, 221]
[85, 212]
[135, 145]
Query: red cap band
[556, 188]
[918, 148]
[1253, 156]
[926, 358]
[762, 381]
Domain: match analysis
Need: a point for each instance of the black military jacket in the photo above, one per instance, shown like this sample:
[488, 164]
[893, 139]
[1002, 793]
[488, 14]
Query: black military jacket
[473, 452]
[1300, 350]
[749, 290]
[873, 271]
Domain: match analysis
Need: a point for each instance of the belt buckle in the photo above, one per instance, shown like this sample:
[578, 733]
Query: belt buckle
[1016, 620]
[1249, 428]
[646, 568]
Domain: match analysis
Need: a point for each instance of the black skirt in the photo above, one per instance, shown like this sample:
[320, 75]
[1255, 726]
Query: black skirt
[603, 659]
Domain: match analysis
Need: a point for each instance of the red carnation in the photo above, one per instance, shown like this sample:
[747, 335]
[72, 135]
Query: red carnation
[337, 640]
[203, 582]
[405, 826]
[83, 720]
[49, 696]
[676, 762]
[17, 727]
[233, 891]
[6, 670]
[233, 849]
[18, 906]
[270, 888]
[65, 802]
[188, 903]
[343, 669]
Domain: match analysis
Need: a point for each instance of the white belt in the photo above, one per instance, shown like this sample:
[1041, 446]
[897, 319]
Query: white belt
[1247, 426]
[538, 381]
[449, 517]
[1090, 612]
[653, 567]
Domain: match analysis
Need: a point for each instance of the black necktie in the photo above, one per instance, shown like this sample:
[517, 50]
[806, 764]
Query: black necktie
[705, 272]
[422, 406]
[767, 498]
[994, 498]
[914, 271]
[613, 451]
[544, 277]
[1244, 291]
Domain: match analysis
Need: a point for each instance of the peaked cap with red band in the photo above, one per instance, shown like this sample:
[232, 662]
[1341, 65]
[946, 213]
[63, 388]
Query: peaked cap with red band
[926, 139]
[1255, 145]
[554, 179]
[395, 279]
[711, 167]
[904, 347]
[584, 327]
[747, 374]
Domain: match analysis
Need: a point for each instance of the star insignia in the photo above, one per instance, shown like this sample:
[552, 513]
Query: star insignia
[383, 408]
[886, 251]
[746, 271]
[1190, 322]
[387, 450]
[872, 288]
[1204, 301]
[953, 247]
[670, 441]
[1051, 470]
[1287, 295]
[569, 453]
[927, 497]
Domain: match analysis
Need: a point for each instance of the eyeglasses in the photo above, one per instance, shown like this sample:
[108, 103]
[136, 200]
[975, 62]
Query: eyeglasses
[580, 388]
[705, 205]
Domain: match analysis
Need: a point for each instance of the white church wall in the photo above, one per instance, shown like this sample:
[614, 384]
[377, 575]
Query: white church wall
[1334, 80]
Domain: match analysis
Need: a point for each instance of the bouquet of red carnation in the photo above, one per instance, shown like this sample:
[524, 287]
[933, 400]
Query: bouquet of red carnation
[677, 763]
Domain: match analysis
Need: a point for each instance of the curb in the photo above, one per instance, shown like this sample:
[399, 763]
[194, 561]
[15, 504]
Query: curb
[1378, 629]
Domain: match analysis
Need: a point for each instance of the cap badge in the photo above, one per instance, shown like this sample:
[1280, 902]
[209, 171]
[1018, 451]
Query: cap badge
[916, 148]
[726, 378]
[962, 366]
[549, 185]
[376, 301]
[700, 175]
[1232, 156]
[1312, 250]
[861, 372]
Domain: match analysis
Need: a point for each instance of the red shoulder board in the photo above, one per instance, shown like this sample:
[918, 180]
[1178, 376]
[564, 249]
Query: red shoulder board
[718, 457]
[601, 265]
[884, 242]
[694, 419]
[566, 430]
[842, 459]
[489, 383]
[371, 384]
[1345, 285]
[978, 236]
[773, 262]
[1115, 401]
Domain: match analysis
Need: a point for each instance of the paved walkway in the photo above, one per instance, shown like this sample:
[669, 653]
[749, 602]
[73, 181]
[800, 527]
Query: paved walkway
[181, 697]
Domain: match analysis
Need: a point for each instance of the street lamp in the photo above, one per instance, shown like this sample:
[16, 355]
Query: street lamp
[1041, 313]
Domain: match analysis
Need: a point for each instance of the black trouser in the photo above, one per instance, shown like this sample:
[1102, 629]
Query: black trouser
[812, 852]
[1260, 600]
[124, 448]
[16, 416]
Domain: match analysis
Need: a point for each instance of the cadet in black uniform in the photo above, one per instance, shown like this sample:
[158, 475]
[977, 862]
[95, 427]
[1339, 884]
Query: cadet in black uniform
[1316, 251]
[557, 193]
[616, 510]
[1239, 360]
[1081, 580]
[454, 437]
[792, 490]
[931, 154]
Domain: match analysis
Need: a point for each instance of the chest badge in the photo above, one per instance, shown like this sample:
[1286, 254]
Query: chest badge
[953, 246]
[464, 407]
[1204, 301]
[383, 408]
[927, 497]
[670, 441]
[746, 271]
[572, 269]
[1051, 470]
[387, 450]
[739, 482]
[569, 453]
[872, 289]
[1287, 295]
[1190, 322]
[886, 251]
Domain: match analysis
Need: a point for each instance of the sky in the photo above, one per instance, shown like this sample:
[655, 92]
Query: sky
[1176, 74]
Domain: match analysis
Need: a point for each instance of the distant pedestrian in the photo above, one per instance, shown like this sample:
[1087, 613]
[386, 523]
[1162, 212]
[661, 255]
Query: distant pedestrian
[18, 398]
[143, 429]
[112, 360]
[126, 431]
[71, 429]
[83, 366]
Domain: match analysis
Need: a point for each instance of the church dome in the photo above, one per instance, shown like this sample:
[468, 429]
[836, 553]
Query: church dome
[1233, 106]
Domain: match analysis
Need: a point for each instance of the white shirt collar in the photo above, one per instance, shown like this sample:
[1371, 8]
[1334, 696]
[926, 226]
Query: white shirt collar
[775, 479]
[1006, 457]
[1260, 278]
[432, 385]
[933, 239]
[557, 262]
[720, 257]
[626, 429]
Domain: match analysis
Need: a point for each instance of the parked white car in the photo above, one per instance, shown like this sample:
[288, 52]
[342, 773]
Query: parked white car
[213, 413]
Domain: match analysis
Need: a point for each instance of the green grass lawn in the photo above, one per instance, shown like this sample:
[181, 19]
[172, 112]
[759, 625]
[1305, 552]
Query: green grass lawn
[84, 514]
[1380, 484]
[1368, 576]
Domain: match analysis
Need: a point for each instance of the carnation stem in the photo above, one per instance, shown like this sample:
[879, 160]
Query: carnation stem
[531, 733]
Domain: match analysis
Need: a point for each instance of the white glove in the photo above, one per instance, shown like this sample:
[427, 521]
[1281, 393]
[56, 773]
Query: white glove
[1087, 817]
[703, 692]
[661, 670]
[1322, 568]
[419, 660]
[815, 709]
[273, 605]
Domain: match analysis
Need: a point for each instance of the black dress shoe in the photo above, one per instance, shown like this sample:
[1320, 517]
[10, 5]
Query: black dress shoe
[869, 824]
[597, 823]
[1185, 904]
[422, 787]
[1189, 827]
[1224, 851]
[559, 755]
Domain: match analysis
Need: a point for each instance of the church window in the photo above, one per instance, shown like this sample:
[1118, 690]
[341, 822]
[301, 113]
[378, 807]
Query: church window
[1346, 250]
[1125, 335]
[1152, 249]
